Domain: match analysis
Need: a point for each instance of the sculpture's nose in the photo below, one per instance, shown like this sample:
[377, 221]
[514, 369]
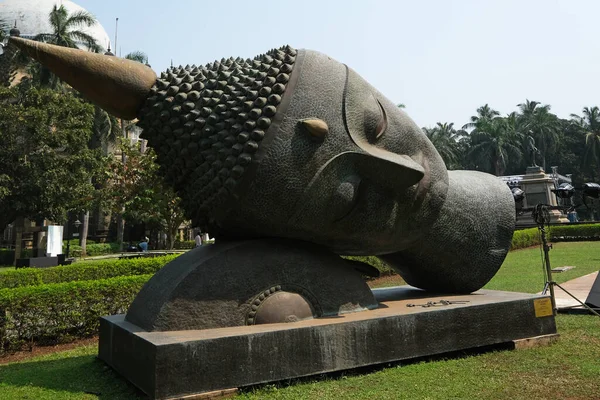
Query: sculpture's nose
[395, 171]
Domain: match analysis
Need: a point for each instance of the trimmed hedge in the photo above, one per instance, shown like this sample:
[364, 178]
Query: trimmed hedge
[584, 231]
[92, 249]
[373, 261]
[7, 256]
[525, 238]
[184, 245]
[84, 271]
[556, 233]
[95, 249]
[60, 312]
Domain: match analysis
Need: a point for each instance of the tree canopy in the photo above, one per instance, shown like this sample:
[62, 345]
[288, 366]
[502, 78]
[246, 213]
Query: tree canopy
[499, 144]
[45, 163]
[66, 29]
[136, 188]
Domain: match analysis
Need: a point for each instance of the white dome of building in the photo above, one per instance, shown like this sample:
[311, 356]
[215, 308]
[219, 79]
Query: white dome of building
[32, 18]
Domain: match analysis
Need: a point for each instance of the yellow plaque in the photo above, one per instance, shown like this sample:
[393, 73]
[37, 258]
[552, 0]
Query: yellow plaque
[543, 307]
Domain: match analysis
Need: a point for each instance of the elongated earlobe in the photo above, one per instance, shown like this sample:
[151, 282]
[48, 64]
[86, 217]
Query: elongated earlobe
[317, 128]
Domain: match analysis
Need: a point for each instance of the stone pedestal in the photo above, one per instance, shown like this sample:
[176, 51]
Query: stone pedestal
[538, 186]
[409, 323]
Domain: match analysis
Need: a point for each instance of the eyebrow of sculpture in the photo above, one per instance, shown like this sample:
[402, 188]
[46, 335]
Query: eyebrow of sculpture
[383, 122]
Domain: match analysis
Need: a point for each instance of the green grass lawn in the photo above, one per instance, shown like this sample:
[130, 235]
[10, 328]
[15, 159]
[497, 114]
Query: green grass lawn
[568, 369]
[522, 270]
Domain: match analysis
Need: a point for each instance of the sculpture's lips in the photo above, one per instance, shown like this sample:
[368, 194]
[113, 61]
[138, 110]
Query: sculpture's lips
[425, 182]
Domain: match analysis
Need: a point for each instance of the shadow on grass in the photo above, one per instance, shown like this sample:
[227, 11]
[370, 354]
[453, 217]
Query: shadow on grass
[77, 374]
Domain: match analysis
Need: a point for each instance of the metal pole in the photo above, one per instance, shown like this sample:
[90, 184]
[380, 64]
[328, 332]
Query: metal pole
[68, 238]
[549, 280]
[116, 32]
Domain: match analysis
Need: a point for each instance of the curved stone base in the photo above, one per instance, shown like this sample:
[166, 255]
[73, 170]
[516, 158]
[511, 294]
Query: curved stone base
[169, 365]
[247, 282]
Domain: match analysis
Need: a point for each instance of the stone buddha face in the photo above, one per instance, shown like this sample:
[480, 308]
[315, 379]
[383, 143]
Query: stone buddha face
[342, 166]
[292, 144]
[289, 144]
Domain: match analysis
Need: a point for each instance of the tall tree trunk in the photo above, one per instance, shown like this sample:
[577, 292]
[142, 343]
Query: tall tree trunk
[84, 233]
[124, 133]
[170, 239]
[498, 168]
[120, 220]
[120, 228]
[543, 155]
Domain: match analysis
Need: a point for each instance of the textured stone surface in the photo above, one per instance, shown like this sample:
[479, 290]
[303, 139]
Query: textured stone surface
[294, 144]
[165, 364]
[229, 283]
[474, 226]
[207, 122]
[340, 166]
[593, 298]
[103, 77]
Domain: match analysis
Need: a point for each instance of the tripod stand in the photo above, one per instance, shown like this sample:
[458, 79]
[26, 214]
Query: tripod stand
[542, 218]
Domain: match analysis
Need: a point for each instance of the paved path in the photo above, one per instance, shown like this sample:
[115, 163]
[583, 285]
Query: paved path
[578, 287]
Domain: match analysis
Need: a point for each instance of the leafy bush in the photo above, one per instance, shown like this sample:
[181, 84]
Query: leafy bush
[525, 238]
[56, 313]
[7, 256]
[587, 231]
[373, 261]
[75, 242]
[556, 233]
[184, 245]
[84, 271]
[95, 249]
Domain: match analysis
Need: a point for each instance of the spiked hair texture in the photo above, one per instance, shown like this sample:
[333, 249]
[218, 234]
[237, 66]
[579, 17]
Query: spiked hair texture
[206, 123]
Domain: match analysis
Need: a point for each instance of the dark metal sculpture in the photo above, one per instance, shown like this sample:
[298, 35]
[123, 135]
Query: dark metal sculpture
[293, 144]
[532, 151]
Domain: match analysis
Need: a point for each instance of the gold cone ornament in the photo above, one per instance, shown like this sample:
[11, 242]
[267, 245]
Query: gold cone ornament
[118, 85]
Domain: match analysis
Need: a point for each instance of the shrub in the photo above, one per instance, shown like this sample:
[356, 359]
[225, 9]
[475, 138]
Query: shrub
[56, 313]
[525, 238]
[75, 242]
[587, 231]
[556, 233]
[84, 271]
[373, 261]
[7, 256]
[95, 249]
[184, 245]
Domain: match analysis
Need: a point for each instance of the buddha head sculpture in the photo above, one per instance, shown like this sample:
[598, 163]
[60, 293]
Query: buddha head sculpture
[294, 144]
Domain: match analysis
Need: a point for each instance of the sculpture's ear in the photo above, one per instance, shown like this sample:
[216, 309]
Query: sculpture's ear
[316, 128]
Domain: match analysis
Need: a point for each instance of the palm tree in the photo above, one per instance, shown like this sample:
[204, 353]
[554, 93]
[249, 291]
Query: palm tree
[484, 114]
[541, 124]
[589, 123]
[445, 139]
[494, 143]
[4, 27]
[6, 58]
[141, 57]
[67, 33]
[66, 29]
[138, 56]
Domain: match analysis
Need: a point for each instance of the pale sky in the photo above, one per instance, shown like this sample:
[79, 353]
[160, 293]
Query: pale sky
[443, 58]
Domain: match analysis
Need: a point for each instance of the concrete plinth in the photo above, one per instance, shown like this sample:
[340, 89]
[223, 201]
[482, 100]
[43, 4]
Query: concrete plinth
[538, 186]
[182, 363]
